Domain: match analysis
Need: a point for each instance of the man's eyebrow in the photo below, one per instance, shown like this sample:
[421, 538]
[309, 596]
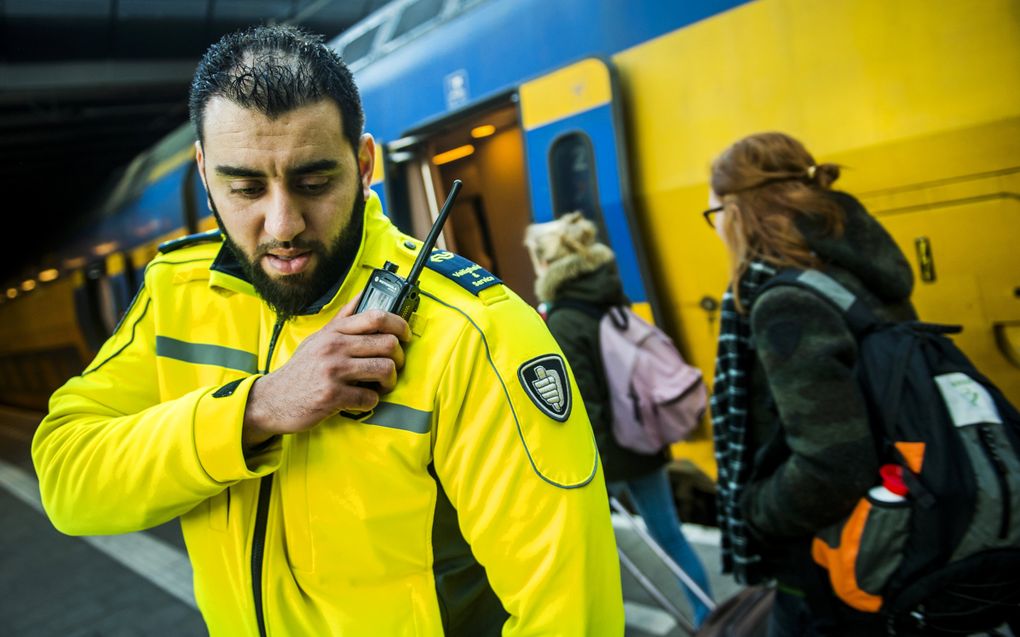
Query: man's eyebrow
[317, 166]
[237, 171]
[312, 167]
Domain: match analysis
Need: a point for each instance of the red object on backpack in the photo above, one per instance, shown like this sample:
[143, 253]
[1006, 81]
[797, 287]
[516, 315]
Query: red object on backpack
[892, 479]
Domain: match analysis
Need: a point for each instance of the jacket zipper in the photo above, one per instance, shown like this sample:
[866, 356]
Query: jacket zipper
[258, 543]
[1005, 496]
[258, 549]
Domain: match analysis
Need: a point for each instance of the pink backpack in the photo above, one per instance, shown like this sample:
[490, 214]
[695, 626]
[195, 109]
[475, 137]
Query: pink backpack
[657, 398]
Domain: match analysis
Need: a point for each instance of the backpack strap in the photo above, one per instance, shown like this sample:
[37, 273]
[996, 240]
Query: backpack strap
[860, 319]
[859, 316]
[619, 317]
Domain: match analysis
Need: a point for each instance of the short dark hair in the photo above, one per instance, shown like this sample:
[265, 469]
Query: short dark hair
[275, 69]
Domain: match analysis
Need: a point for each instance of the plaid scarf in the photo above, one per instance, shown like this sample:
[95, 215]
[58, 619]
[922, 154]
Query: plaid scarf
[729, 424]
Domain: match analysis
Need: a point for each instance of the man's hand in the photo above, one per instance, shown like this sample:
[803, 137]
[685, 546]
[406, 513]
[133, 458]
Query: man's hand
[328, 374]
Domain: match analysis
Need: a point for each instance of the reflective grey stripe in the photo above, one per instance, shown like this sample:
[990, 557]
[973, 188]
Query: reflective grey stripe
[204, 354]
[842, 297]
[400, 417]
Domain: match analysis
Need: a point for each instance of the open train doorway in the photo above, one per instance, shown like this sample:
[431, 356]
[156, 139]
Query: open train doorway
[484, 148]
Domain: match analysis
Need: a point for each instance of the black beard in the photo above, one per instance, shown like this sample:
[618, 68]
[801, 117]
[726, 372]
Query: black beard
[289, 296]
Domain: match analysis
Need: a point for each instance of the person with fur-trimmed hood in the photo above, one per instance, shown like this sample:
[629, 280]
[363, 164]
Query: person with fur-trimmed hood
[573, 267]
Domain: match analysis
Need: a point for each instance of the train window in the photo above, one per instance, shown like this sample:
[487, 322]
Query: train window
[572, 177]
[360, 46]
[417, 14]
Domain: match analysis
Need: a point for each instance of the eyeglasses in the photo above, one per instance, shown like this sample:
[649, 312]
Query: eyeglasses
[708, 215]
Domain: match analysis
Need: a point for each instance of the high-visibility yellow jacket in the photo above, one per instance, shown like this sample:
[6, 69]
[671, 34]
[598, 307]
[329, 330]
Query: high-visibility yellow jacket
[470, 501]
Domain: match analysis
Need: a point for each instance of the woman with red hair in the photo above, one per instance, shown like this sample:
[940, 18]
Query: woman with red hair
[793, 444]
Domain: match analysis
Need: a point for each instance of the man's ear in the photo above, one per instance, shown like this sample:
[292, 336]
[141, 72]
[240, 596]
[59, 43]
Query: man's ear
[366, 162]
[200, 160]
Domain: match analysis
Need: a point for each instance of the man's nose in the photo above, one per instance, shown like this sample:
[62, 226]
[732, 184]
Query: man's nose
[284, 219]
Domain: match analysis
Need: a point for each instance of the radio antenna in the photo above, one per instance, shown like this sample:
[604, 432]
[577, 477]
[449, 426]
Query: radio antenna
[430, 241]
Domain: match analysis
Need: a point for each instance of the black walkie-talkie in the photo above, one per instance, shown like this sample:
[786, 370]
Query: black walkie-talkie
[388, 291]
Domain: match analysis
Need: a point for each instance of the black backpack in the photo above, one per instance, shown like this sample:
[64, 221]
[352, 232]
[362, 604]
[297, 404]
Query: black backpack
[934, 546]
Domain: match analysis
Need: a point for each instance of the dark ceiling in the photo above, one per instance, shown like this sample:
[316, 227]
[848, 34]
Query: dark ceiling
[85, 85]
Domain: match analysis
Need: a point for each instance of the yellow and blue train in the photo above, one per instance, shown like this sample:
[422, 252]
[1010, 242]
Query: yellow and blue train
[616, 108]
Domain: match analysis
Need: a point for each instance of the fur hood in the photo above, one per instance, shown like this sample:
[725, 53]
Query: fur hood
[570, 267]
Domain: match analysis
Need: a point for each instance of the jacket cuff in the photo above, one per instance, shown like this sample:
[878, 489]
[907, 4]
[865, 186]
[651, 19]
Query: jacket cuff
[219, 419]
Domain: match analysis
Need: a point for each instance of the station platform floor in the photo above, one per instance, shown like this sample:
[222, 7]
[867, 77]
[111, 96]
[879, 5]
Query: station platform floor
[139, 584]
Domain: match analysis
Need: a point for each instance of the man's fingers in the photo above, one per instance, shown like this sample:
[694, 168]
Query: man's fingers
[347, 310]
[389, 323]
[358, 399]
[397, 356]
[371, 322]
[373, 346]
[386, 384]
[366, 370]
[367, 352]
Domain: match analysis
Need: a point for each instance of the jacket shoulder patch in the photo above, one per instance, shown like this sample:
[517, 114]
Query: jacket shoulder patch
[470, 276]
[191, 239]
[546, 383]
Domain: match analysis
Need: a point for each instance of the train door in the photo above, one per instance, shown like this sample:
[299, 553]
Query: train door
[550, 147]
[484, 148]
[577, 162]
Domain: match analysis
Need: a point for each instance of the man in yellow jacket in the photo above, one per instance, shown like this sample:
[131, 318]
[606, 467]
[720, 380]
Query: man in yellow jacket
[335, 473]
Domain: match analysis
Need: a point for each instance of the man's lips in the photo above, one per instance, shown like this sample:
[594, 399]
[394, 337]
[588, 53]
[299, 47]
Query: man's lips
[288, 261]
